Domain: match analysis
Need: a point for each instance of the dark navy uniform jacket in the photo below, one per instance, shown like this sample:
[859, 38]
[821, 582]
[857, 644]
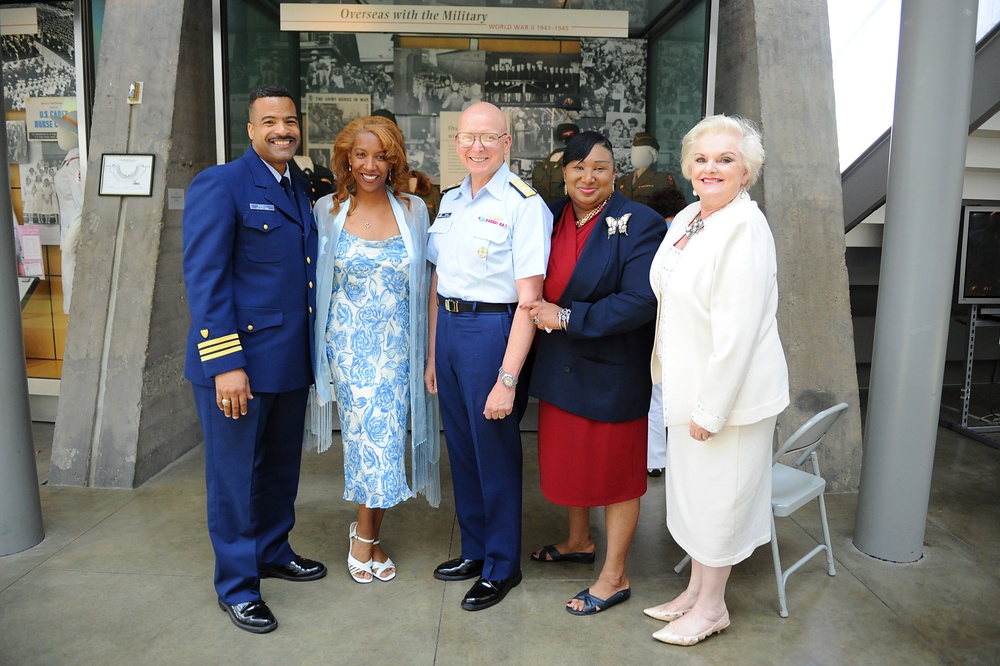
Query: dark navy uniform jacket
[599, 368]
[250, 272]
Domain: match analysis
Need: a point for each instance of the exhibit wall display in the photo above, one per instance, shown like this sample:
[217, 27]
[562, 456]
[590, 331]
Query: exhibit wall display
[566, 65]
[589, 87]
[38, 52]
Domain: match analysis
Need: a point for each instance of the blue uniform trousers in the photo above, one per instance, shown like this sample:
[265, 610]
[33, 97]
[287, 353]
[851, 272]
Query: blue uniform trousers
[485, 455]
[252, 469]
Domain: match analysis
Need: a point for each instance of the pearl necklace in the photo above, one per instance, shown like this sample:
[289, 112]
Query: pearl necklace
[589, 216]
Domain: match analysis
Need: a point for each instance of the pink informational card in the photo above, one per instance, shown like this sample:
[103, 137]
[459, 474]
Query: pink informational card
[29, 251]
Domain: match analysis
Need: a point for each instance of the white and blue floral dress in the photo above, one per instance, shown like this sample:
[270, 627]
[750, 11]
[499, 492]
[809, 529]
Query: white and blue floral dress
[367, 345]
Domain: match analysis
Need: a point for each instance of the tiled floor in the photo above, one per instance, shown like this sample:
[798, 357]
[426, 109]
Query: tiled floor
[124, 577]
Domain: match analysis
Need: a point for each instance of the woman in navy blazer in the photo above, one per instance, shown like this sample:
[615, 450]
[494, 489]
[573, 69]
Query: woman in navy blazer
[591, 372]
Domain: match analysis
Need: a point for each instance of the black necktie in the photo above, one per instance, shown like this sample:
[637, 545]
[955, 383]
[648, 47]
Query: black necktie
[286, 185]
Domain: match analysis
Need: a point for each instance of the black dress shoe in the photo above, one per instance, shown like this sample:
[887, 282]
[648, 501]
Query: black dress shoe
[458, 569]
[252, 616]
[301, 569]
[486, 593]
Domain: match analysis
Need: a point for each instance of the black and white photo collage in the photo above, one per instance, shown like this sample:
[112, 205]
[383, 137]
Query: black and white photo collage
[40, 65]
[601, 88]
[678, 78]
[613, 92]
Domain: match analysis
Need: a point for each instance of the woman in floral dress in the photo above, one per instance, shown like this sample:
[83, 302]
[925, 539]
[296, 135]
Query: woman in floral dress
[371, 333]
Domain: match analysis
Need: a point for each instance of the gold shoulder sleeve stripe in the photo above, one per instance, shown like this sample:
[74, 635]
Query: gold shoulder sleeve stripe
[215, 341]
[227, 344]
[232, 348]
[451, 187]
[522, 187]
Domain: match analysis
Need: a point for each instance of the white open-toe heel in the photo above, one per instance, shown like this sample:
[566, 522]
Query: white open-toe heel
[379, 567]
[355, 567]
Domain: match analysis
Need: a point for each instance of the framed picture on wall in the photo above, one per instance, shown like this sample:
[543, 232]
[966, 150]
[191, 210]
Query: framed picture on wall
[126, 175]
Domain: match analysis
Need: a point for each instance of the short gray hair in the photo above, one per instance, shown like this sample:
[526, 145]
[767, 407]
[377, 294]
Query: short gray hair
[751, 146]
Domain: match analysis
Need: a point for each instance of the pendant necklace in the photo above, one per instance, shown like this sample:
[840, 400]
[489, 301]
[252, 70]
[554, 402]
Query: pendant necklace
[367, 221]
[694, 226]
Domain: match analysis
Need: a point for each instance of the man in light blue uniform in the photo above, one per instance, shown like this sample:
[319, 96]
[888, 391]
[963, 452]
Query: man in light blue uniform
[490, 247]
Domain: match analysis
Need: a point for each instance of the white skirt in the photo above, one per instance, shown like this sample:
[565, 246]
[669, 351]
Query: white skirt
[719, 492]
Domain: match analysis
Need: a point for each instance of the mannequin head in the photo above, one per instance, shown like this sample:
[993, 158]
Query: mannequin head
[645, 149]
[643, 157]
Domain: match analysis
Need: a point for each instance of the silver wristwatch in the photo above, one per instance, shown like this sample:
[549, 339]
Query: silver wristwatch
[509, 380]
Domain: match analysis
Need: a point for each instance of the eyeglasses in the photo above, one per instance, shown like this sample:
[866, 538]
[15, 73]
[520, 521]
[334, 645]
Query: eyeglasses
[468, 139]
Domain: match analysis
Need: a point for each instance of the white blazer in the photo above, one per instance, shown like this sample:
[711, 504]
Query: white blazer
[717, 349]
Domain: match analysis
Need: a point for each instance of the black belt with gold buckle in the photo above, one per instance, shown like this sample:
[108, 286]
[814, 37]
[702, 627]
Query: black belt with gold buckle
[456, 305]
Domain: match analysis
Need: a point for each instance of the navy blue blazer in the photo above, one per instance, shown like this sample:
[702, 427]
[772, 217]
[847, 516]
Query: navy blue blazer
[250, 271]
[599, 368]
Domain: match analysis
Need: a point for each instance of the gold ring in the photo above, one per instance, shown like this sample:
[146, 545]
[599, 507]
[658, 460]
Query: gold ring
[225, 402]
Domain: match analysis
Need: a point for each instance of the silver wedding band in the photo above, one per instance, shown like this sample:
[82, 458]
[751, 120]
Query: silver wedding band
[225, 402]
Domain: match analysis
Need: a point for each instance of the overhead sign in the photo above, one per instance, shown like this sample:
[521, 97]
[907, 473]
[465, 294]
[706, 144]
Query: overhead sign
[446, 20]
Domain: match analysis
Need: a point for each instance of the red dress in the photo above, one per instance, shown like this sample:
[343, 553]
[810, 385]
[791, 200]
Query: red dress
[583, 462]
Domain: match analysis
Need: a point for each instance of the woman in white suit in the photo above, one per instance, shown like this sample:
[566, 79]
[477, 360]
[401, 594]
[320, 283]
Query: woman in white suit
[724, 375]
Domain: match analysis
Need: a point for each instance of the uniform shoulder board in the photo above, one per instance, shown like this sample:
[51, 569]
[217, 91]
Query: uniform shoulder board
[451, 187]
[522, 187]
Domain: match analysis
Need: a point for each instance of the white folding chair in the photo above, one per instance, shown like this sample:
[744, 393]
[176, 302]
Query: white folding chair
[792, 488]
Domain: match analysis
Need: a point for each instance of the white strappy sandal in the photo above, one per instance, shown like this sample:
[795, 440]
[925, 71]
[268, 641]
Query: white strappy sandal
[355, 567]
[379, 567]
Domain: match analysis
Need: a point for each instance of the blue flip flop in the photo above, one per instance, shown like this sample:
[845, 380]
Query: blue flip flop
[551, 554]
[592, 604]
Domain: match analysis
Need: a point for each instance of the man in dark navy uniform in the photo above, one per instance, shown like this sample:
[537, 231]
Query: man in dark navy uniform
[249, 268]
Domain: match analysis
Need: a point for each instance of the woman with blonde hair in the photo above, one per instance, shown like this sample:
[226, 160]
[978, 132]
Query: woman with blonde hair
[723, 369]
[371, 333]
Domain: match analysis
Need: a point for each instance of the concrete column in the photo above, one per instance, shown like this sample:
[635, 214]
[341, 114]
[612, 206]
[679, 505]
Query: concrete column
[20, 505]
[775, 67]
[125, 410]
[929, 136]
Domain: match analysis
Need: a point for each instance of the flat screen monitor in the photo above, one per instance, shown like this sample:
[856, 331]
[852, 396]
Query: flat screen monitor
[979, 276]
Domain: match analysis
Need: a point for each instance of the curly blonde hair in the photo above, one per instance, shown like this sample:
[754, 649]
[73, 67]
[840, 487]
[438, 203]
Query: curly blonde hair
[751, 145]
[391, 138]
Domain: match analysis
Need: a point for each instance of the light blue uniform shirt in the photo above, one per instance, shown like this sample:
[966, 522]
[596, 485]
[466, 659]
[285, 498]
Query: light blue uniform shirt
[274, 172]
[481, 246]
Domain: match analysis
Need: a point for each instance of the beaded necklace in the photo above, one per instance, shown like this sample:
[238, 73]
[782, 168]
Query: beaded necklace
[589, 216]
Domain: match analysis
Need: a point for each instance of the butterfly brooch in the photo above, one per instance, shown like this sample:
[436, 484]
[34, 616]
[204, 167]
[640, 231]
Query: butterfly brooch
[617, 224]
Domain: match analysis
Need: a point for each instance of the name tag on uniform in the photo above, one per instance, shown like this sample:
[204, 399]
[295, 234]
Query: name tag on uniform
[254, 206]
[493, 220]
[442, 215]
